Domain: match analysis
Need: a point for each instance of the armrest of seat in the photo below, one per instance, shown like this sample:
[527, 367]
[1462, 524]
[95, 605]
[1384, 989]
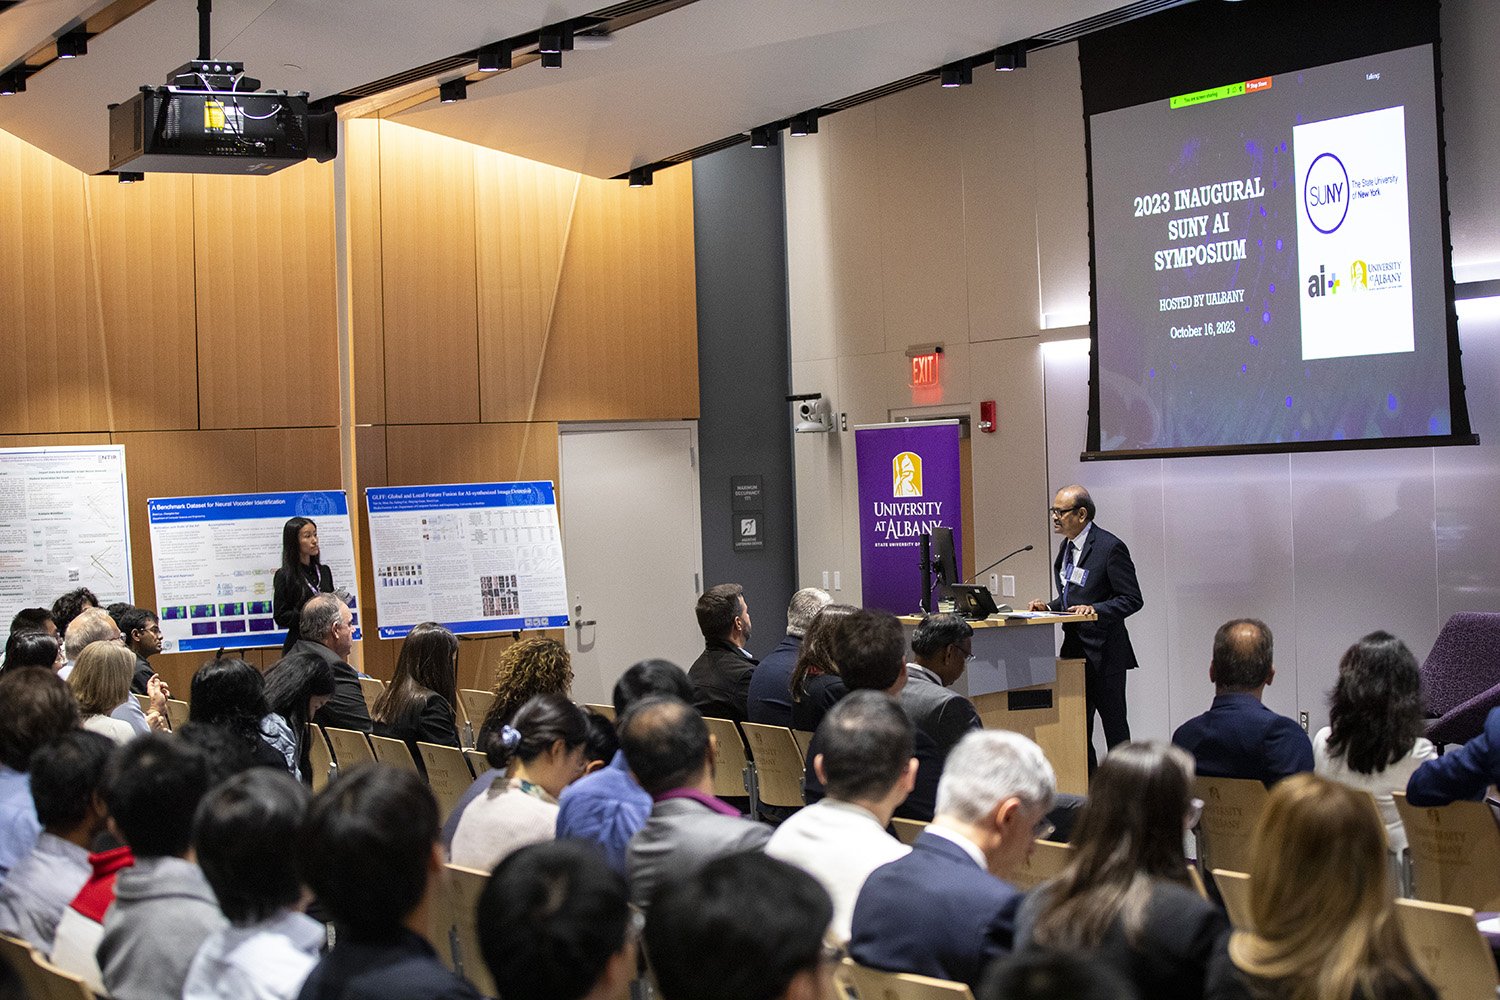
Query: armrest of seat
[1464, 722]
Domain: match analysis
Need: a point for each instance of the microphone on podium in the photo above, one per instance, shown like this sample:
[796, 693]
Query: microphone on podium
[997, 562]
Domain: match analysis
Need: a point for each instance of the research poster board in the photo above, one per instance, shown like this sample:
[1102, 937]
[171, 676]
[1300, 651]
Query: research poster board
[215, 561]
[479, 557]
[64, 523]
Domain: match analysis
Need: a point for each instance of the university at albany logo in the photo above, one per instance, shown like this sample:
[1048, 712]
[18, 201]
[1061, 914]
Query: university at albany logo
[906, 475]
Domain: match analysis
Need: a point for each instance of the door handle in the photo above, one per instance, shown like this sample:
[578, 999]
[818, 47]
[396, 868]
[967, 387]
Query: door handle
[584, 621]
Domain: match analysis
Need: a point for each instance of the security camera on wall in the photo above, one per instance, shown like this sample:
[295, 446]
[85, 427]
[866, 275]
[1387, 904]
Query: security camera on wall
[814, 413]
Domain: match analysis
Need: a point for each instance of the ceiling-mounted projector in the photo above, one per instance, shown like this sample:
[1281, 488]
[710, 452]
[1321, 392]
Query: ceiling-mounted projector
[212, 119]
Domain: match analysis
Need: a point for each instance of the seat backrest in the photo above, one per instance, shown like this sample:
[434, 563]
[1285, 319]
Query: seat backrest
[393, 752]
[778, 764]
[350, 746]
[40, 980]
[1231, 810]
[319, 757]
[447, 774]
[1455, 853]
[873, 984]
[478, 762]
[463, 888]
[1462, 663]
[730, 761]
[1234, 889]
[1448, 948]
[1047, 860]
[804, 741]
[908, 830]
[177, 713]
[372, 688]
[608, 711]
[477, 705]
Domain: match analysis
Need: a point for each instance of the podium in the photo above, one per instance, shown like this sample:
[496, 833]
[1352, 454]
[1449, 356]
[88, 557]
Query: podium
[1016, 682]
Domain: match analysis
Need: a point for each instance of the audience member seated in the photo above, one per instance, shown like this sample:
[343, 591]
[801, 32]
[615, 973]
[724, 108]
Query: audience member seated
[1048, 975]
[1239, 737]
[142, 634]
[555, 924]
[297, 686]
[608, 807]
[870, 649]
[540, 753]
[944, 910]
[88, 626]
[245, 839]
[231, 694]
[67, 780]
[527, 668]
[418, 704]
[163, 908]
[70, 606]
[34, 620]
[867, 769]
[35, 708]
[1374, 739]
[1461, 773]
[82, 923]
[33, 649]
[1320, 903]
[370, 855]
[771, 683]
[100, 681]
[601, 746]
[721, 673]
[1126, 897]
[942, 647]
[815, 685]
[325, 630]
[668, 749]
[746, 927]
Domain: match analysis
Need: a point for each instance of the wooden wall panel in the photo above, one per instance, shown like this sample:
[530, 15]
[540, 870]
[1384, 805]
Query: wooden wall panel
[624, 338]
[378, 656]
[179, 463]
[361, 152]
[527, 208]
[267, 324]
[427, 230]
[140, 259]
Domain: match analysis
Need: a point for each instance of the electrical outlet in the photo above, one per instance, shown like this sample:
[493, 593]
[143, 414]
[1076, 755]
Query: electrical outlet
[994, 583]
[825, 579]
[1007, 586]
[1302, 717]
[839, 585]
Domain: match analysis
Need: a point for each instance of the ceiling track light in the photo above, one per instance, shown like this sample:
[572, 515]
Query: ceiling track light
[551, 60]
[453, 90]
[554, 40]
[764, 137]
[640, 177]
[494, 58]
[804, 124]
[957, 75]
[130, 177]
[74, 44]
[1010, 57]
[13, 82]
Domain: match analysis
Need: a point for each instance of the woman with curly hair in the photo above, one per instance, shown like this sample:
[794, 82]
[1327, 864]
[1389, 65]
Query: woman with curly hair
[527, 668]
[1374, 741]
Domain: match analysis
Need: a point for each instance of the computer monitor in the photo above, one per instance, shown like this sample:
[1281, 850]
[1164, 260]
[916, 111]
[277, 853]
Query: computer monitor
[945, 569]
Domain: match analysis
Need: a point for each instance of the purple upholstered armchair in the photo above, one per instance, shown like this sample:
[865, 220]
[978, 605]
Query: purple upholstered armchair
[1461, 678]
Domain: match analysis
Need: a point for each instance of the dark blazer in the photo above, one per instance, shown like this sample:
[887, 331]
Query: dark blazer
[771, 684]
[721, 681]
[288, 594]
[922, 801]
[1239, 737]
[1110, 586]
[934, 913]
[944, 715]
[402, 968]
[1180, 941]
[347, 708]
[1462, 773]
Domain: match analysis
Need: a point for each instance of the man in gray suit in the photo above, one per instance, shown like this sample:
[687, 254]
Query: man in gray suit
[941, 646]
[670, 753]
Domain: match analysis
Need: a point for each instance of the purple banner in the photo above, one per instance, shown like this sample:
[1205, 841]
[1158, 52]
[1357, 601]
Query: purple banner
[909, 483]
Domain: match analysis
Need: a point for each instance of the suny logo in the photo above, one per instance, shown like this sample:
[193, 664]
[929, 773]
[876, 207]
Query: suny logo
[1325, 193]
[1322, 283]
[906, 475]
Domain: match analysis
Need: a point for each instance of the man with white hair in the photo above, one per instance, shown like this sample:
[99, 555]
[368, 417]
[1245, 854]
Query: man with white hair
[945, 910]
[91, 625]
[771, 684]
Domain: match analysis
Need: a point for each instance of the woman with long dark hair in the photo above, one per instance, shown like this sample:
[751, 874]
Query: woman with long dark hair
[296, 687]
[417, 705]
[816, 684]
[33, 649]
[1374, 739]
[540, 752]
[231, 694]
[1126, 896]
[302, 575]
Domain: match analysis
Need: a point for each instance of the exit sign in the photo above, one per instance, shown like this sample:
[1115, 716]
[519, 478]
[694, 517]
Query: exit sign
[924, 370]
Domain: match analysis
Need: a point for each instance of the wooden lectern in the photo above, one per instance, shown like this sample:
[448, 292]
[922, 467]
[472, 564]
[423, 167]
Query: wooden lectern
[1017, 682]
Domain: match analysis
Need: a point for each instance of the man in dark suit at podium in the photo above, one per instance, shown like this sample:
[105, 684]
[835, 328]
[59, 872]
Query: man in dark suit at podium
[1094, 575]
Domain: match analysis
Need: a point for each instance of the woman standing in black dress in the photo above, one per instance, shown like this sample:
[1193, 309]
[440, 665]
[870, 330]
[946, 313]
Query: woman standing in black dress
[302, 575]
